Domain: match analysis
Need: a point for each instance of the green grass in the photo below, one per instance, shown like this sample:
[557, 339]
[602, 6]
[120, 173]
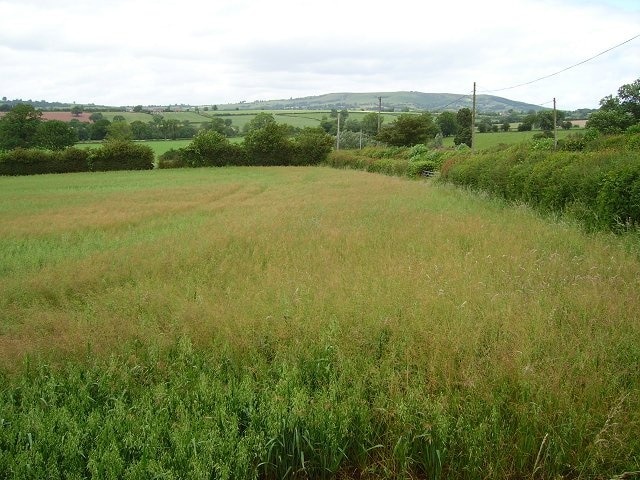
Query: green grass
[308, 322]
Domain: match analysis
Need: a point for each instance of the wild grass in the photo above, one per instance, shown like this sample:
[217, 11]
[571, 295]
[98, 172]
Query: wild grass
[308, 323]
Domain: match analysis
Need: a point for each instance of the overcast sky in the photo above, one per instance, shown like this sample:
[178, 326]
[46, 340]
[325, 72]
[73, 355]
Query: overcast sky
[126, 52]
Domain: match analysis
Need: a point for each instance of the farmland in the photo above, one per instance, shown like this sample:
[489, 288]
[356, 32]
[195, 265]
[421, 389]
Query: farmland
[245, 322]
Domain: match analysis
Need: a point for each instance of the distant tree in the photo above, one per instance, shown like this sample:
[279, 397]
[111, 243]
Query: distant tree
[370, 123]
[408, 130]
[19, 126]
[55, 135]
[76, 110]
[81, 129]
[119, 130]
[351, 125]
[96, 116]
[261, 120]
[118, 118]
[566, 125]
[140, 130]
[484, 126]
[618, 113]
[137, 108]
[99, 129]
[495, 127]
[169, 128]
[448, 123]
[463, 135]
[506, 126]
[215, 107]
[268, 145]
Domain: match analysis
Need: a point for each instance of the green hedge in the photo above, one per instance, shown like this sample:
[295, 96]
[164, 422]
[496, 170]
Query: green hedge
[110, 156]
[121, 155]
[600, 188]
[32, 161]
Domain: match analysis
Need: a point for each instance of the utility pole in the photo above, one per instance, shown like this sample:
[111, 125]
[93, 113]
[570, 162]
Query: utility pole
[379, 112]
[338, 134]
[555, 126]
[473, 120]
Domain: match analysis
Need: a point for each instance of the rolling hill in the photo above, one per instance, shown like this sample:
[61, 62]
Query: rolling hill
[397, 101]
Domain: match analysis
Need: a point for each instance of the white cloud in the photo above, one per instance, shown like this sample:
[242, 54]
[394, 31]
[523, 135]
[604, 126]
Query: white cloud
[159, 52]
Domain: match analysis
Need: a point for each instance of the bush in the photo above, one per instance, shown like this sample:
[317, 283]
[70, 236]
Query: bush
[212, 149]
[421, 168]
[601, 188]
[269, 145]
[32, 161]
[121, 155]
[310, 147]
[172, 159]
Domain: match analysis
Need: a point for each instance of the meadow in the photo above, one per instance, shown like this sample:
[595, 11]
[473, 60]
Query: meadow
[492, 139]
[308, 323]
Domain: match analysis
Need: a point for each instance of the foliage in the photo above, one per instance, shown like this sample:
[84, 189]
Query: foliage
[618, 113]
[55, 135]
[121, 155]
[310, 146]
[268, 145]
[99, 129]
[19, 127]
[261, 120]
[464, 134]
[211, 149]
[408, 130]
[21, 161]
[119, 130]
[172, 158]
[600, 187]
[448, 123]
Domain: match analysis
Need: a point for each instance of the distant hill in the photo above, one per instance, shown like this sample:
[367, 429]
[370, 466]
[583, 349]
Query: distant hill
[391, 101]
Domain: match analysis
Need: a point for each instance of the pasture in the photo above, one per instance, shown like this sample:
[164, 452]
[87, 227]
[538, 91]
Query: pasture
[309, 322]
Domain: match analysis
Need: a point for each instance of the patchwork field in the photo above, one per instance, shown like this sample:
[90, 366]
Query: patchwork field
[308, 323]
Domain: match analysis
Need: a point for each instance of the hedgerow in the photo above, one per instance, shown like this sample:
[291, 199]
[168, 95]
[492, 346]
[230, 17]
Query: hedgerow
[601, 187]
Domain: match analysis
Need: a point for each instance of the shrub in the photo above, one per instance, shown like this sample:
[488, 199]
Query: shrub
[421, 168]
[121, 155]
[212, 149]
[268, 145]
[310, 147]
[172, 159]
[32, 161]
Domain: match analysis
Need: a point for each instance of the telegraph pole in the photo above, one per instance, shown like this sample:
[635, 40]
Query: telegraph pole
[338, 134]
[473, 119]
[555, 126]
[379, 112]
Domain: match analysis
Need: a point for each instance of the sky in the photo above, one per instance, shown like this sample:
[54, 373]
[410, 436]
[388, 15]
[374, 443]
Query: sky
[206, 52]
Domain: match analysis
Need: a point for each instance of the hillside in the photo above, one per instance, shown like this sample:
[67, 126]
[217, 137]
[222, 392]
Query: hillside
[390, 101]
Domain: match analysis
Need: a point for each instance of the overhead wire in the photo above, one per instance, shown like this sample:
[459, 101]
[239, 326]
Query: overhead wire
[564, 69]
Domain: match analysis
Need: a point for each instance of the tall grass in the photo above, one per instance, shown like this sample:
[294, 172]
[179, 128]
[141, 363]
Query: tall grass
[308, 323]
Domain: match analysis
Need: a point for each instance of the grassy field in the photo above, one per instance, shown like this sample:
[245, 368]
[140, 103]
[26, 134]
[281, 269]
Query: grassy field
[308, 323]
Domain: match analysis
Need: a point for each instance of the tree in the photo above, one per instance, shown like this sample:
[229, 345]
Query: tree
[261, 120]
[448, 123]
[19, 126]
[370, 123]
[99, 129]
[118, 118]
[268, 145]
[618, 113]
[137, 108]
[408, 130]
[76, 110]
[120, 131]
[81, 129]
[96, 116]
[141, 130]
[55, 135]
[464, 127]
[506, 126]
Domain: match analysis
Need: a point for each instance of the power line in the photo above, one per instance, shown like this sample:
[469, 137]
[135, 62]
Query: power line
[454, 101]
[564, 69]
